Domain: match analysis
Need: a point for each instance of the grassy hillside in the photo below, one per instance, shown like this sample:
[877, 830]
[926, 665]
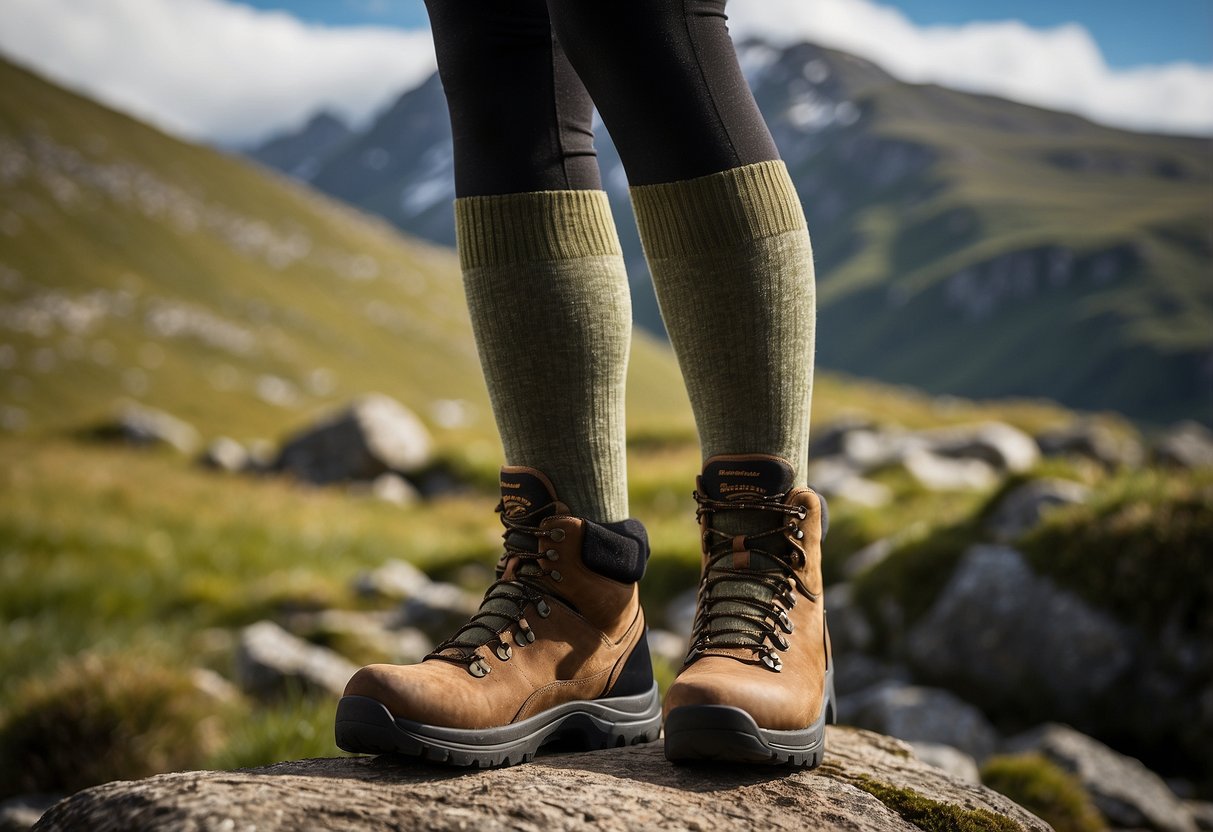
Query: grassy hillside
[134, 265]
[971, 244]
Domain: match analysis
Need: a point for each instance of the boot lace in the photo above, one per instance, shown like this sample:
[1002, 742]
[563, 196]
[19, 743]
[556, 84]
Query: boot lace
[506, 600]
[748, 608]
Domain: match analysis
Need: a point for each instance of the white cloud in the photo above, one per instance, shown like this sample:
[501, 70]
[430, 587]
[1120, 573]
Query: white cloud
[216, 70]
[212, 69]
[1061, 68]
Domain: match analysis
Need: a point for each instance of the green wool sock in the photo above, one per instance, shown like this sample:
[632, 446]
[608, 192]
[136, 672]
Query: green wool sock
[733, 270]
[548, 295]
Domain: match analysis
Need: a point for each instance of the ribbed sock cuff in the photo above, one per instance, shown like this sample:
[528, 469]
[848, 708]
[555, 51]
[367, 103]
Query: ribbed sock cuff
[718, 210]
[531, 227]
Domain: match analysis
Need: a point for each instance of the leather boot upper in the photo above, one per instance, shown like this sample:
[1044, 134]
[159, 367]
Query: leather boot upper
[550, 630]
[765, 652]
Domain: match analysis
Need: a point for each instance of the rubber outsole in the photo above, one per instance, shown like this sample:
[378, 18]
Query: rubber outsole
[365, 726]
[723, 733]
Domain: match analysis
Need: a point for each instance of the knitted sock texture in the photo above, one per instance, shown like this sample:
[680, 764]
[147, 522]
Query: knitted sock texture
[733, 270]
[548, 296]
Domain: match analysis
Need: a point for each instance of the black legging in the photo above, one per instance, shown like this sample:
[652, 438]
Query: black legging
[663, 74]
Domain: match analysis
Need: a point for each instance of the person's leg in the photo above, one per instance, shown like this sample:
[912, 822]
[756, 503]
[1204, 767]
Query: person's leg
[558, 643]
[726, 242]
[545, 279]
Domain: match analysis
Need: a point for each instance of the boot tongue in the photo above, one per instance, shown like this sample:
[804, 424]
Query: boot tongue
[750, 478]
[527, 497]
[526, 493]
[730, 478]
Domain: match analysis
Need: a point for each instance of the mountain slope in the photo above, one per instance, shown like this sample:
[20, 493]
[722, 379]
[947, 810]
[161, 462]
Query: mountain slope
[135, 265]
[1056, 256]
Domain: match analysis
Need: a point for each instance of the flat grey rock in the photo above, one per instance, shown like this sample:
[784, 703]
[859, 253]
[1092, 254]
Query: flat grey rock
[620, 789]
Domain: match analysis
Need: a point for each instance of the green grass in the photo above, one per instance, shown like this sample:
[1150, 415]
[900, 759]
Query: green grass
[99, 717]
[1044, 789]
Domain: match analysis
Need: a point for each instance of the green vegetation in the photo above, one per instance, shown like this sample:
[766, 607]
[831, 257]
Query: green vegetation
[1044, 789]
[1054, 255]
[932, 815]
[1141, 547]
[101, 717]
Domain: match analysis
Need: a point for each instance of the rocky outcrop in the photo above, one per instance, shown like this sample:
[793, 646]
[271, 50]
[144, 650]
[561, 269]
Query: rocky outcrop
[1128, 794]
[270, 661]
[372, 436]
[868, 782]
[137, 424]
[1011, 639]
[1022, 507]
[1187, 445]
[919, 714]
[1093, 441]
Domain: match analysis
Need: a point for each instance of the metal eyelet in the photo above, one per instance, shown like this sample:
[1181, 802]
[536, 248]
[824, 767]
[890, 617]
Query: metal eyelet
[785, 623]
[779, 640]
[503, 651]
[552, 554]
[556, 535]
[479, 669]
[542, 608]
[771, 659]
[556, 576]
[524, 636]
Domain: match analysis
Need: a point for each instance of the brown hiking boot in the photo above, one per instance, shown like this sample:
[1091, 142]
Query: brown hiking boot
[556, 652]
[757, 684]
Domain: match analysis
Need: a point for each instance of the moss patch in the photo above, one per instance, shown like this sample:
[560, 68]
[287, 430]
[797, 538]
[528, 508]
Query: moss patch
[1140, 548]
[932, 815]
[100, 718]
[1041, 787]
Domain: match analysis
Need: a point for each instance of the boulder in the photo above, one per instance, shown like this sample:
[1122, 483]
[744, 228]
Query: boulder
[1012, 639]
[393, 488]
[1021, 508]
[373, 435]
[618, 789]
[918, 714]
[225, 454]
[836, 477]
[935, 472]
[438, 611]
[867, 450]
[369, 634]
[271, 661]
[830, 439]
[955, 762]
[1005, 448]
[1093, 441]
[1127, 793]
[144, 426]
[1187, 445]
[395, 579]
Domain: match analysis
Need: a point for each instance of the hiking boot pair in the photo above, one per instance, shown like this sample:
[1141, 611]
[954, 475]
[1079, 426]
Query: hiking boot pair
[557, 652]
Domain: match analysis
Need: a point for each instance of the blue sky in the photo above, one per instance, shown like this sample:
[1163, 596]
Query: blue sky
[236, 71]
[1129, 32]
